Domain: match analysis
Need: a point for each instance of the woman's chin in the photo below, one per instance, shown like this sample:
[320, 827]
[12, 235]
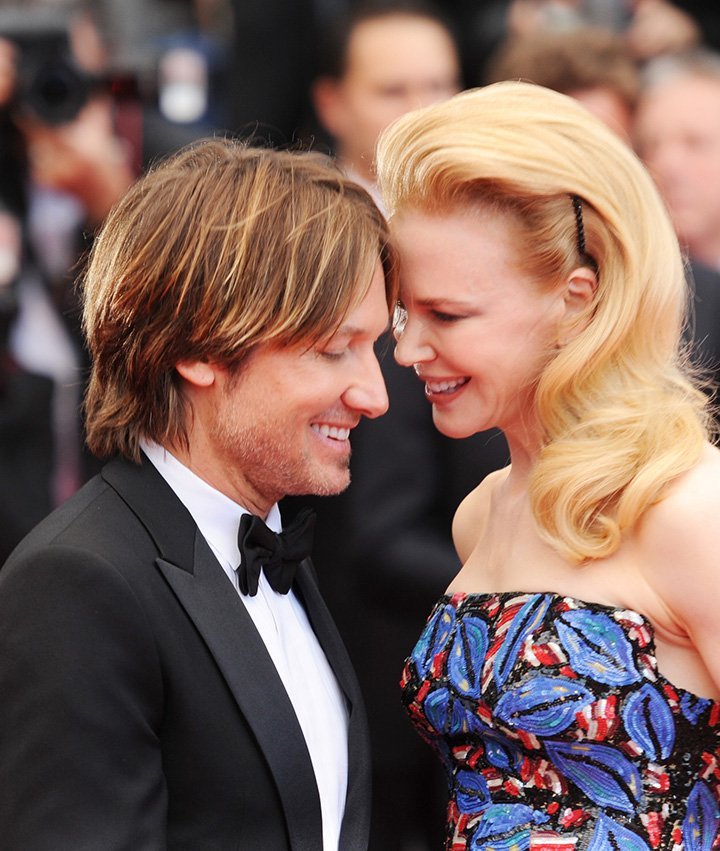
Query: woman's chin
[455, 430]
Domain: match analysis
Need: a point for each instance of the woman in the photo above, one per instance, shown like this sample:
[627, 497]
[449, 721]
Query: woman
[570, 677]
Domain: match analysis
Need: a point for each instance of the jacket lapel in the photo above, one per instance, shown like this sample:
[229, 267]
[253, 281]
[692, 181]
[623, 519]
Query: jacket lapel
[356, 821]
[203, 589]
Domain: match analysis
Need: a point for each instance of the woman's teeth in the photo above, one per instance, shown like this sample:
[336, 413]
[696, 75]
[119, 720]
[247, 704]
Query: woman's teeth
[445, 386]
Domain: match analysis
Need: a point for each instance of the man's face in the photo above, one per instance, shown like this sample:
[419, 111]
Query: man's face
[677, 133]
[282, 426]
[607, 105]
[394, 64]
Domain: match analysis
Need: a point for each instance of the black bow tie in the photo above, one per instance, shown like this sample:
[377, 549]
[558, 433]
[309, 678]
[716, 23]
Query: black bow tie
[278, 554]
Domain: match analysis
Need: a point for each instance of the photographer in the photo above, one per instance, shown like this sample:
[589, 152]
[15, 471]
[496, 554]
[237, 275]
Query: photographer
[62, 168]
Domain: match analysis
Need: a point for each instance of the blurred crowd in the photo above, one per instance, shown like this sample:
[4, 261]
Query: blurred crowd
[92, 92]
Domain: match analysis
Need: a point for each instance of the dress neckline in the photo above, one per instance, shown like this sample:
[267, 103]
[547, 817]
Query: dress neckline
[590, 604]
[641, 620]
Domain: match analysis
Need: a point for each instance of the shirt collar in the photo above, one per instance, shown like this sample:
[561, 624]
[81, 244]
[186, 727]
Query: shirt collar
[216, 515]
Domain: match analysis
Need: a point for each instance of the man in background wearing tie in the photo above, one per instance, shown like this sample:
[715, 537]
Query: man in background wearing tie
[168, 680]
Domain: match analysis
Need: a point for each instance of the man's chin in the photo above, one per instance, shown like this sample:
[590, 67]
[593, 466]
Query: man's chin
[331, 488]
[328, 485]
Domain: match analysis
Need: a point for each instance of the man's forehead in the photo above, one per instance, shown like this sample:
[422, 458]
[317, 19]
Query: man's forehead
[376, 37]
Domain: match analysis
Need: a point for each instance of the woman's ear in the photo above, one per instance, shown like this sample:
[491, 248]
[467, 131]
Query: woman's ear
[579, 300]
[196, 372]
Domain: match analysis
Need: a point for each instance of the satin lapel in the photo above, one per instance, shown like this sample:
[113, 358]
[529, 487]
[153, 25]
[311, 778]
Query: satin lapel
[228, 630]
[355, 831]
[203, 589]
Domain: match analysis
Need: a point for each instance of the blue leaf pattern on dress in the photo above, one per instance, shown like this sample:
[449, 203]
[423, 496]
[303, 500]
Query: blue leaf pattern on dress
[469, 648]
[693, 707]
[517, 842]
[618, 777]
[524, 623]
[506, 826]
[449, 716]
[443, 712]
[609, 833]
[543, 705]
[501, 751]
[700, 826]
[597, 647]
[606, 776]
[649, 721]
[471, 791]
[433, 638]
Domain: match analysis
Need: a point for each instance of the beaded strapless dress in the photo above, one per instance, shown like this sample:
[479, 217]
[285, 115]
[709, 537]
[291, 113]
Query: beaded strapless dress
[557, 731]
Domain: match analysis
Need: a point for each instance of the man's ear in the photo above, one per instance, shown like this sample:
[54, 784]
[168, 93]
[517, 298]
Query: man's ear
[196, 372]
[328, 103]
[579, 300]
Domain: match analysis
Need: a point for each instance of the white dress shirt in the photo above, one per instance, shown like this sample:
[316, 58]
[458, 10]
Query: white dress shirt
[284, 628]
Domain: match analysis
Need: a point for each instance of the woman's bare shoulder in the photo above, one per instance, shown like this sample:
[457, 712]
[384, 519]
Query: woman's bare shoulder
[690, 501]
[472, 513]
[679, 548]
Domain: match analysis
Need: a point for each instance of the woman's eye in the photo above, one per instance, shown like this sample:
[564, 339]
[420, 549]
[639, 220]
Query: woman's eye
[331, 355]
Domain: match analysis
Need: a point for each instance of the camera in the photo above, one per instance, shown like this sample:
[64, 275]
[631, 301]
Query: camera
[50, 86]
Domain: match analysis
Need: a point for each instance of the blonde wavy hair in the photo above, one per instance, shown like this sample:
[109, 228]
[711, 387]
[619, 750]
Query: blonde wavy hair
[621, 415]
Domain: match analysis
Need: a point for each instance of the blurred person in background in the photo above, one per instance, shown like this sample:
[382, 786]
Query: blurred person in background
[650, 28]
[677, 134]
[591, 64]
[380, 61]
[384, 547]
[63, 168]
[171, 56]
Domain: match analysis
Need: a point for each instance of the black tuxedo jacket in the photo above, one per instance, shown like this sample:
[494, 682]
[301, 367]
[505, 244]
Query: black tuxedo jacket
[139, 708]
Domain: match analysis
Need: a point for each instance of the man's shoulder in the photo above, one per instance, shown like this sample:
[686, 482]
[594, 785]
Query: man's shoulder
[95, 519]
[67, 520]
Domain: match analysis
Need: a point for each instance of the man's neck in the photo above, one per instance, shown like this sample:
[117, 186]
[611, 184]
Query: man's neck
[359, 167]
[364, 179]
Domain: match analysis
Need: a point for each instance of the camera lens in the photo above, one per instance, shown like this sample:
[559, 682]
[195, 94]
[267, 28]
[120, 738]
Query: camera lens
[56, 92]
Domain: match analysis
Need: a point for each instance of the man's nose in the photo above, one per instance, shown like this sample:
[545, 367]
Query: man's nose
[368, 395]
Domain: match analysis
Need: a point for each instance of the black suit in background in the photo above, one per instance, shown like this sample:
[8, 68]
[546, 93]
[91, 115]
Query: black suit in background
[705, 319]
[26, 452]
[146, 712]
[384, 555]
[270, 68]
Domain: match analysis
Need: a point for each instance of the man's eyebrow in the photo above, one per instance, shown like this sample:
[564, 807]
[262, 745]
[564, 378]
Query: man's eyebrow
[347, 331]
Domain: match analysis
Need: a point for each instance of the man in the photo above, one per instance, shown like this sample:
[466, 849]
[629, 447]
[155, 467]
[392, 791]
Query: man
[381, 61]
[157, 692]
[677, 133]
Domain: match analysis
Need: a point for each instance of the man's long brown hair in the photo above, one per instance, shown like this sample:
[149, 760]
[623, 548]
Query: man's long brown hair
[221, 248]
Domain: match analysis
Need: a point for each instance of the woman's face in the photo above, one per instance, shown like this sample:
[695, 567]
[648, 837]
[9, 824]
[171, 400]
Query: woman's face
[477, 331]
